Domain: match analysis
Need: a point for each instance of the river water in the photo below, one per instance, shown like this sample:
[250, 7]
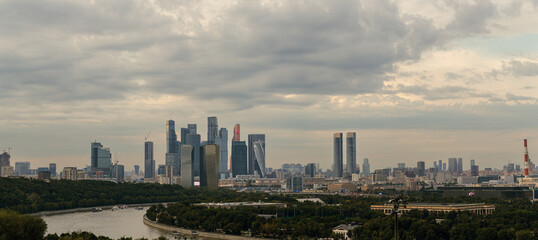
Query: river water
[113, 224]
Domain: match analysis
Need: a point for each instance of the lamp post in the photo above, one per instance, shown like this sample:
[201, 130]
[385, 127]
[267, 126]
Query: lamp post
[400, 199]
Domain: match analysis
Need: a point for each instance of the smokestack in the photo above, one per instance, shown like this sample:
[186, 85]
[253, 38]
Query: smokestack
[526, 158]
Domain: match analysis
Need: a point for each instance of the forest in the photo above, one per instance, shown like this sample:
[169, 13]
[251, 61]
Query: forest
[31, 195]
[511, 220]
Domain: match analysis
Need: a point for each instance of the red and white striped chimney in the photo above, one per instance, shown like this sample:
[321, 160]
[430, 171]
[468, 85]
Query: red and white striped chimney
[526, 158]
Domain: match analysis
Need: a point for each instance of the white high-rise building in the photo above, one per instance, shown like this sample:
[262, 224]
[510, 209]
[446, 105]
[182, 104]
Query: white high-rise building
[259, 152]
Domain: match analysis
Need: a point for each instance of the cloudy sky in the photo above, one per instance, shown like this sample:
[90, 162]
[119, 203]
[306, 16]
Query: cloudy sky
[417, 80]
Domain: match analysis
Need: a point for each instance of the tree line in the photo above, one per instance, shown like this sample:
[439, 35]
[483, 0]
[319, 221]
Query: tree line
[32, 195]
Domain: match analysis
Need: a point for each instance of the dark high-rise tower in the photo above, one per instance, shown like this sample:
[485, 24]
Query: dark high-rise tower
[239, 158]
[149, 162]
[4, 160]
[171, 137]
[421, 168]
[194, 141]
[172, 156]
[351, 153]
[52, 169]
[337, 155]
[209, 173]
[101, 159]
[252, 163]
[212, 129]
[192, 128]
[184, 132]
[453, 165]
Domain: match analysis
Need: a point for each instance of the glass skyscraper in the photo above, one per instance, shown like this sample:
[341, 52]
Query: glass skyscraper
[194, 141]
[210, 168]
[171, 137]
[212, 129]
[101, 159]
[222, 141]
[351, 153]
[149, 162]
[337, 155]
[252, 163]
[239, 158]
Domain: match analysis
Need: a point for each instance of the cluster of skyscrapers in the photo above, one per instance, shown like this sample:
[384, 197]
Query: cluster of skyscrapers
[351, 155]
[455, 165]
[189, 158]
[23, 168]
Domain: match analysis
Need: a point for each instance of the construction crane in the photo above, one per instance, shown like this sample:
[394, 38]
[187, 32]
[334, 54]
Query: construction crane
[8, 150]
[146, 138]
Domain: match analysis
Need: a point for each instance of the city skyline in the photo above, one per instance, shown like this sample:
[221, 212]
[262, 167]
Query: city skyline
[417, 81]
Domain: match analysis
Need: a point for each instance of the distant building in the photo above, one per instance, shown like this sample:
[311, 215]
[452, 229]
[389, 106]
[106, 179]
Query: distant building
[171, 137]
[212, 129]
[192, 128]
[472, 162]
[210, 171]
[136, 169]
[474, 170]
[259, 153]
[161, 169]
[237, 134]
[149, 162]
[22, 168]
[187, 171]
[43, 175]
[337, 155]
[453, 165]
[366, 167]
[193, 139]
[401, 165]
[339, 187]
[344, 229]
[239, 158]
[351, 153]
[421, 168]
[120, 173]
[310, 170]
[100, 158]
[52, 169]
[4, 161]
[460, 165]
[478, 208]
[253, 163]
[222, 141]
[69, 173]
[294, 183]
[7, 171]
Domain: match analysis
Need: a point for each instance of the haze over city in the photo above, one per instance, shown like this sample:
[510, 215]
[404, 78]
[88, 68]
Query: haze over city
[417, 80]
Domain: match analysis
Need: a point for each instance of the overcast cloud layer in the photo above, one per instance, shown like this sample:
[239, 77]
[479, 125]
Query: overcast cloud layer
[417, 80]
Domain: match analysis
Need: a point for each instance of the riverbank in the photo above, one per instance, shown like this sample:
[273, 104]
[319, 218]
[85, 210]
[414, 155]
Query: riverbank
[188, 232]
[88, 209]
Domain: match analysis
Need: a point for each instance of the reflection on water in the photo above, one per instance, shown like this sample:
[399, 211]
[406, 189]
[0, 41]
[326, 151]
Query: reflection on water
[113, 224]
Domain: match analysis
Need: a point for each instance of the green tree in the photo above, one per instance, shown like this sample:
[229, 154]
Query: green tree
[17, 226]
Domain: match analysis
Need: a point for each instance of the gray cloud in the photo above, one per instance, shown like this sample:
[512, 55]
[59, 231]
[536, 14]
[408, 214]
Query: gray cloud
[72, 72]
[60, 51]
[521, 68]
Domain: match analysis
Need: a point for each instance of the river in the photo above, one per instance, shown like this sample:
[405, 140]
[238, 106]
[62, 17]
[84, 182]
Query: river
[113, 224]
